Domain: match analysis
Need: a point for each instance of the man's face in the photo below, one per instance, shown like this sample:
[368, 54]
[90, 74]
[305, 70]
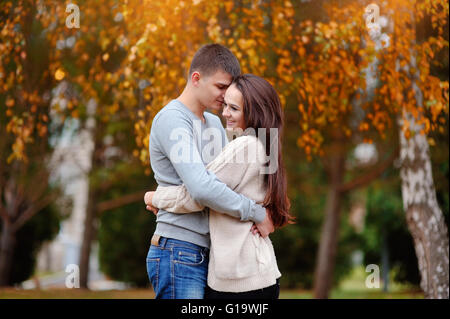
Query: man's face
[211, 89]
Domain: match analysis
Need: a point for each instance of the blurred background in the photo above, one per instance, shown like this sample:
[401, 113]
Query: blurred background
[364, 87]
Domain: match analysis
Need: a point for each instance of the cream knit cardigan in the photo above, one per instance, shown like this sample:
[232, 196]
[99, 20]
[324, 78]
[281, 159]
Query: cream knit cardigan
[239, 261]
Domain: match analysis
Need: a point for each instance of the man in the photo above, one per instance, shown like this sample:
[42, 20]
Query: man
[177, 261]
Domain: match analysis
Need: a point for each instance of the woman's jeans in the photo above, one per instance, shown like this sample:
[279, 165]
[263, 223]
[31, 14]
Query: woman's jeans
[178, 269]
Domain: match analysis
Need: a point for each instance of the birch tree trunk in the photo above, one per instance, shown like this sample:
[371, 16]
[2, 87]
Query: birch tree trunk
[423, 215]
[424, 218]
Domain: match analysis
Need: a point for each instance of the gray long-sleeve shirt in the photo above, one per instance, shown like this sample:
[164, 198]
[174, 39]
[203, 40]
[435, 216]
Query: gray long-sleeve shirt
[180, 147]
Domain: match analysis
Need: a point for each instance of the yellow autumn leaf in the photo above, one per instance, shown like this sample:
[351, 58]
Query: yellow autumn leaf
[59, 74]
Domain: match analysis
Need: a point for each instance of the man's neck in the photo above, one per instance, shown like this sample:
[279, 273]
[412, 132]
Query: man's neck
[192, 104]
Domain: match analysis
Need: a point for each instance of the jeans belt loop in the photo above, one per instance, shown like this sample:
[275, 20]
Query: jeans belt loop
[162, 242]
[155, 240]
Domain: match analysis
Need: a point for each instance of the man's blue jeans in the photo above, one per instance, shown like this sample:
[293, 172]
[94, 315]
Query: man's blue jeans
[177, 269]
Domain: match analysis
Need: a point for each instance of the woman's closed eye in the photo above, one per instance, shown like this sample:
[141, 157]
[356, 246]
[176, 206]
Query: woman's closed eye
[224, 105]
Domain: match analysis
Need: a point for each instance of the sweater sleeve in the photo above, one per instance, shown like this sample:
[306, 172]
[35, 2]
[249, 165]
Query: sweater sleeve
[229, 167]
[175, 199]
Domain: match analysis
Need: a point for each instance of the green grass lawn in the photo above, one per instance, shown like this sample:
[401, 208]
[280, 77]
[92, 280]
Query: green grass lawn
[76, 294]
[353, 287]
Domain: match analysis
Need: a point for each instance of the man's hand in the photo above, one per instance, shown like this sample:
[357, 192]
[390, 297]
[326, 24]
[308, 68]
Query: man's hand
[148, 202]
[265, 227]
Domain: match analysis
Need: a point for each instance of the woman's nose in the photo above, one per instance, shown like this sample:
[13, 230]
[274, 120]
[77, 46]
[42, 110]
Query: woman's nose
[225, 112]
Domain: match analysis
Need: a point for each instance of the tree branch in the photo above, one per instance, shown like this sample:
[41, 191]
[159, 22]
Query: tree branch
[121, 201]
[32, 210]
[371, 175]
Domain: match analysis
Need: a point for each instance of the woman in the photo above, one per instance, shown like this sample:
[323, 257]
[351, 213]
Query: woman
[242, 264]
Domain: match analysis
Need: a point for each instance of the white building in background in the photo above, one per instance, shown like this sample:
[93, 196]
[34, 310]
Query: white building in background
[71, 163]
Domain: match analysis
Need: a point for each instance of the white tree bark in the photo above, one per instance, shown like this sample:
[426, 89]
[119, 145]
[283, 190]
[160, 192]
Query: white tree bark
[424, 217]
[423, 214]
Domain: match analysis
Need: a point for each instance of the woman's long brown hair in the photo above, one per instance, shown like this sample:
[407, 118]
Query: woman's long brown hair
[262, 109]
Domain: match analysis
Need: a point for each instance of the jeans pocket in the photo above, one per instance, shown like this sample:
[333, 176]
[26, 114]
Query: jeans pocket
[190, 269]
[153, 272]
[188, 257]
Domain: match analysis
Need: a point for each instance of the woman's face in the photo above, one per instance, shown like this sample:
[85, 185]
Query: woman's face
[233, 108]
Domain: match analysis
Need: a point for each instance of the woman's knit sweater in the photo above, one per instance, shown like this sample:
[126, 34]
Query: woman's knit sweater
[239, 261]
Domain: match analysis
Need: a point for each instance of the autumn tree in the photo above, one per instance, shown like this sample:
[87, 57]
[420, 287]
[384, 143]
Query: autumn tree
[326, 74]
[51, 72]
[331, 61]
[103, 102]
[407, 83]
[25, 97]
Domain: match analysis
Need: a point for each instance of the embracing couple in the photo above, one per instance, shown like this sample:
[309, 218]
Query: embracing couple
[211, 238]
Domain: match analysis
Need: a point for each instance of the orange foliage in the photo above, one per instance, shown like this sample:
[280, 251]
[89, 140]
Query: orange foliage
[320, 67]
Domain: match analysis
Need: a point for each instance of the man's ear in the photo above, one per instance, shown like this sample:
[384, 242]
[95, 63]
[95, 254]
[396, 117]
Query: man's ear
[195, 78]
